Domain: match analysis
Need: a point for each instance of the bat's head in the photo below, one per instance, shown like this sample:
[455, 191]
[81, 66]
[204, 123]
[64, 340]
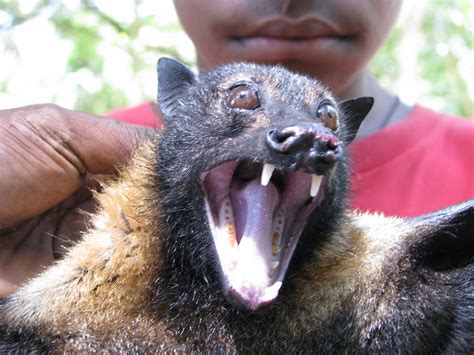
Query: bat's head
[252, 163]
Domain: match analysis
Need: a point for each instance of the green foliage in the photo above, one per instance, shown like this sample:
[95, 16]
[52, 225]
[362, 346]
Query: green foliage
[86, 39]
[385, 63]
[104, 99]
[447, 28]
[443, 54]
[97, 41]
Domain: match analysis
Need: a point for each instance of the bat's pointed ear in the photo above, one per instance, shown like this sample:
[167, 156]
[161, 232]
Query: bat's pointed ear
[173, 79]
[445, 238]
[354, 111]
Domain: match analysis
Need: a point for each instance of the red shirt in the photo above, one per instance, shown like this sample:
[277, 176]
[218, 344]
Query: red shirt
[422, 164]
[145, 114]
[417, 166]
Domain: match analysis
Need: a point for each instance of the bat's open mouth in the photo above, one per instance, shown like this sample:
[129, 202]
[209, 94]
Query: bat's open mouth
[256, 214]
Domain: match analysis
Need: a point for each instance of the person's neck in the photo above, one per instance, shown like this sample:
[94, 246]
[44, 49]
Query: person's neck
[387, 109]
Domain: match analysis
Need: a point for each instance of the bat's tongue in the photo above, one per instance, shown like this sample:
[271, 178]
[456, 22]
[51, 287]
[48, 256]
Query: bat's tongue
[254, 210]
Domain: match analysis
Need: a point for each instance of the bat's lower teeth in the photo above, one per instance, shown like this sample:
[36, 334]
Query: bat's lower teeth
[226, 218]
[278, 224]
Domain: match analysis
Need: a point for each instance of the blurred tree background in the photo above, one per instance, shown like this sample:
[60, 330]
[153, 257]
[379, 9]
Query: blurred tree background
[96, 55]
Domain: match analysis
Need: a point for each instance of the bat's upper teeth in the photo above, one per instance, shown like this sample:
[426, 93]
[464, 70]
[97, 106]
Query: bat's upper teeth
[267, 172]
[315, 184]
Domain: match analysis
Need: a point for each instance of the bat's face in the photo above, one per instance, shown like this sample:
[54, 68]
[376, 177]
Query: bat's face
[265, 151]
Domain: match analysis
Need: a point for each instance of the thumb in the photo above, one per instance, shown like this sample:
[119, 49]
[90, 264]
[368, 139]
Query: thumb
[101, 145]
[46, 151]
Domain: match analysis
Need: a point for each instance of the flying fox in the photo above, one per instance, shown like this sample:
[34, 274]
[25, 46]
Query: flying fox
[230, 232]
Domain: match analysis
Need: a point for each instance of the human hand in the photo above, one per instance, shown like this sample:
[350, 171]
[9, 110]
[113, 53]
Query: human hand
[50, 157]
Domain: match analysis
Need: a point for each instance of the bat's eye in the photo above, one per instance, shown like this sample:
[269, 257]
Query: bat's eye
[242, 97]
[328, 115]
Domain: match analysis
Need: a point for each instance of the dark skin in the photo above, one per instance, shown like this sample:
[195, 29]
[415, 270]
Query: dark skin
[50, 156]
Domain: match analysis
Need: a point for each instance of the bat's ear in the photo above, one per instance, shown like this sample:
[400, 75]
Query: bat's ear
[173, 79]
[354, 111]
[445, 238]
